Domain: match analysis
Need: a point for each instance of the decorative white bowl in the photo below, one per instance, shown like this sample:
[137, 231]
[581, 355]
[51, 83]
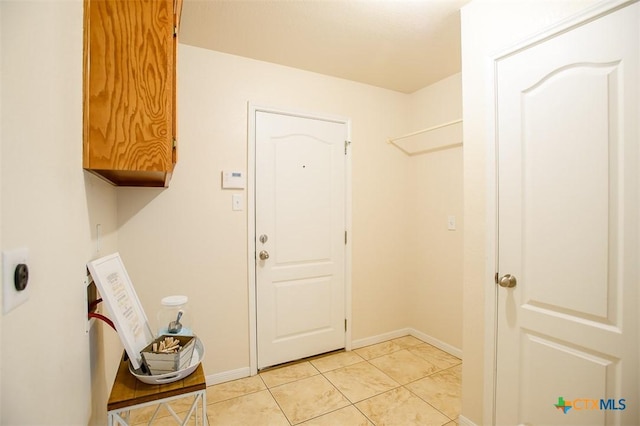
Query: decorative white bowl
[196, 359]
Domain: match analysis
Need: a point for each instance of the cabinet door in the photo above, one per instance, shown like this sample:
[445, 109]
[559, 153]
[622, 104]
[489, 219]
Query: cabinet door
[129, 90]
[177, 16]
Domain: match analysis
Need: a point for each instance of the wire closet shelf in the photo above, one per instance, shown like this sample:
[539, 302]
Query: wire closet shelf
[442, 136]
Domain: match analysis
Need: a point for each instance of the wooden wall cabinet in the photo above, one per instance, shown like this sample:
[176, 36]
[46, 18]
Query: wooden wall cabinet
[129, 134]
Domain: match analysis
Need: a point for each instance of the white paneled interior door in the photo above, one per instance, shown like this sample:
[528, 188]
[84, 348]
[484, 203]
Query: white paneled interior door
[300, 225]
[568, 213]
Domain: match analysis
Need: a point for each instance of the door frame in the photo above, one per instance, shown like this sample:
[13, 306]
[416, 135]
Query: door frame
[491, 266]
[251, 223]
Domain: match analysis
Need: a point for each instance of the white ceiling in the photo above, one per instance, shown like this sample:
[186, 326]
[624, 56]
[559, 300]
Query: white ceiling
[402, 45]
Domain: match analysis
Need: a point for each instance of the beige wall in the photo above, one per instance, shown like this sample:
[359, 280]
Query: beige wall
[192, 223]
[186, 239]
[51, 369]
[488, 27]
[51, 206]
[435, 253]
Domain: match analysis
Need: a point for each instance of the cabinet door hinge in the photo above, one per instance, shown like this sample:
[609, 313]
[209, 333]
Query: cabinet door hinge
[346, 145]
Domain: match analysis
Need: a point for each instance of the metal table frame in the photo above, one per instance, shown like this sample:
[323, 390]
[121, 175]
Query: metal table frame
[198, 408]
[129, 393]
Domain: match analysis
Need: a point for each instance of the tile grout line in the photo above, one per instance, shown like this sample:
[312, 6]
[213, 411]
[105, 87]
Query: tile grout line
[353, 404]
[275, 400]
[427, 402]
[430, 404]
[439, 370]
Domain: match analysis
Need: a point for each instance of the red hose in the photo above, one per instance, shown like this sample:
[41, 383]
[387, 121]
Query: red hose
[103, 318]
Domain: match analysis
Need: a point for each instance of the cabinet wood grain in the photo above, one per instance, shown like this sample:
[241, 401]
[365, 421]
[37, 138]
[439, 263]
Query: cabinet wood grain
[129, 86]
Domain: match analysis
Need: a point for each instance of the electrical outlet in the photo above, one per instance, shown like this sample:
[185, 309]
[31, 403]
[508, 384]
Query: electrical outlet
[15, 279]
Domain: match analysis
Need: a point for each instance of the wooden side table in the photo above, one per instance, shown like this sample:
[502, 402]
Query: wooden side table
[129, 393]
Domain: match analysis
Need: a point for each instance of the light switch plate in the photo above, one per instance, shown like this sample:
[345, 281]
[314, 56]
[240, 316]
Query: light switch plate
[13, 298]
[451, 223]
[237, 202]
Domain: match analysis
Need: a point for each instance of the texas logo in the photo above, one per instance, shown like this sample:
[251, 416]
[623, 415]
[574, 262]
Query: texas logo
[563, 405]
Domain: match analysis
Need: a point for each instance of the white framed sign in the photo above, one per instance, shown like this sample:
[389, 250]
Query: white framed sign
[123, 305]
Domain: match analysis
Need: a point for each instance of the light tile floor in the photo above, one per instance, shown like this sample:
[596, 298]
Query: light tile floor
[402, 381]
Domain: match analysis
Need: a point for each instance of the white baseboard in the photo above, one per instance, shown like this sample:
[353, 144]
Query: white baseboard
[227, 376]
[408, 332]
[463, 421]
[437, 343]
[355, 344]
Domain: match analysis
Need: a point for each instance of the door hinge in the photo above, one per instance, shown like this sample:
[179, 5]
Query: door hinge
[345, 324]
[345, 237]
[175, 31]
[346, 145]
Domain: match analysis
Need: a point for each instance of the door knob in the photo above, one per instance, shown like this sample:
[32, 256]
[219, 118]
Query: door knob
[507, 281]
[264, 255]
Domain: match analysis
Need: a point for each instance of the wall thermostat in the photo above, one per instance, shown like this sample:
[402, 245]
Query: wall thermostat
[232, 179]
